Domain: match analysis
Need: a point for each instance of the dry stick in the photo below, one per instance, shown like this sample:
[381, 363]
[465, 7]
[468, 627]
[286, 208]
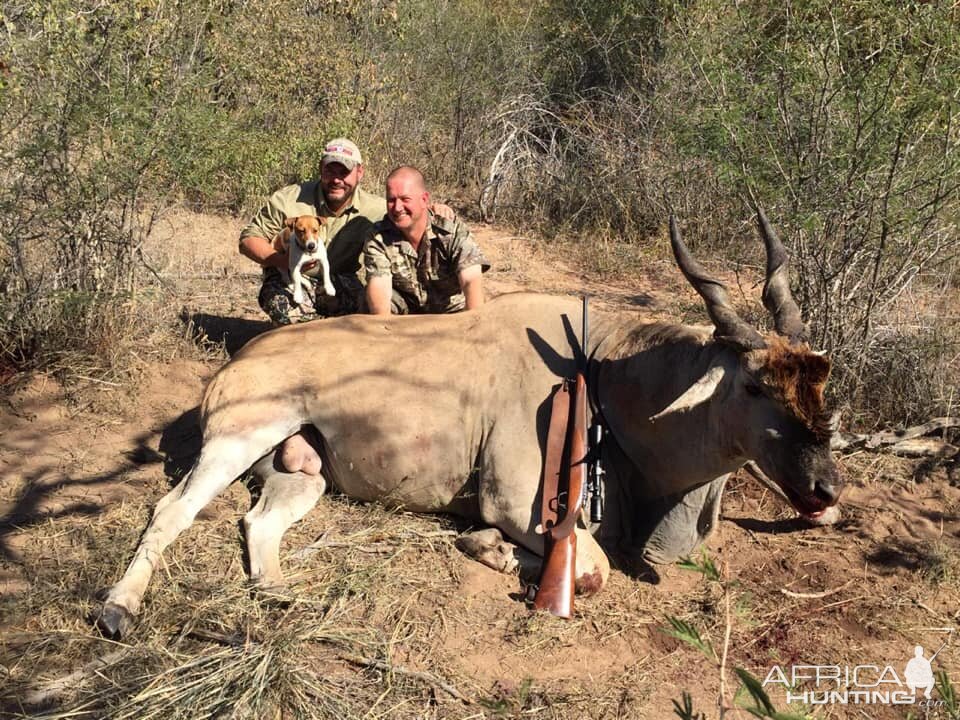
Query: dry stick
[814, 595]
[887, 438]
[930, 610]
[340, 544]
[234, 640]
[890, 437]
[55, 688]
[830, 605]
[723, 657]
[400, 670]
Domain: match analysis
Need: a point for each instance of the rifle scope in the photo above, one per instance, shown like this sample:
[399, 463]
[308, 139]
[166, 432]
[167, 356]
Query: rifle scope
[595, 472]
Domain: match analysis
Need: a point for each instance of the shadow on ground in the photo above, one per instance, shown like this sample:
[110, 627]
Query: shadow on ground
[769, 527]
[230, 332]
[178, 448]
[47, 493]
[922, 557]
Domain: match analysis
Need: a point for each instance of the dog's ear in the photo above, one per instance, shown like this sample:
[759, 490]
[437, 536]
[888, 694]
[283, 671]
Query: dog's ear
[322, 220]
[290, 222]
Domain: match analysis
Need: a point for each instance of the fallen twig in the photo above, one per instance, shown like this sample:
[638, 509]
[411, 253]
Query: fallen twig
[334, 544]
[892, 437]
[722, 700]
[400, 670]
[324, 542]
[55, 688]
[929, 610]
[814, 595]
[907, 441]
[233, 640]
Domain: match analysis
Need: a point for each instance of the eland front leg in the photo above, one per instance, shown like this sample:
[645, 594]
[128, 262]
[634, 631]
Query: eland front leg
[490, 548]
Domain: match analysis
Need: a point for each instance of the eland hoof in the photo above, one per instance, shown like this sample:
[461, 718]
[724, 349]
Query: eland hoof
[114, 621]
[276, 594]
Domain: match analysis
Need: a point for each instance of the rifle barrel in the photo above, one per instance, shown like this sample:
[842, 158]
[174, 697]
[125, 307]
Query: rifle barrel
[584, 331]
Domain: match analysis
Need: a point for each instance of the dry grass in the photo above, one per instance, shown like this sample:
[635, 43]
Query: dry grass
[206, 648]
[380, 622]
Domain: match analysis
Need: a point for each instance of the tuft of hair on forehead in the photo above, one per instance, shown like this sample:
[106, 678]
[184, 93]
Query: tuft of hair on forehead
[799, 376]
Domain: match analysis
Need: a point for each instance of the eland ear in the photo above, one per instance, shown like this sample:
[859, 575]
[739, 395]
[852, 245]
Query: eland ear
[701, 391]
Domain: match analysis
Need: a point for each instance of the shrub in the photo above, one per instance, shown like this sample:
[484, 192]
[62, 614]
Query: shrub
[838, 119]
[574, 118]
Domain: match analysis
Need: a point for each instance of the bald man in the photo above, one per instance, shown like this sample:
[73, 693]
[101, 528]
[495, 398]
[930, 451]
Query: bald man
[417, 262]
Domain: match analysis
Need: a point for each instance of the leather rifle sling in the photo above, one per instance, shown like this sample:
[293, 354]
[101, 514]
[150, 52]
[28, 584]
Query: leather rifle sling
[556, 440]
[576, 470]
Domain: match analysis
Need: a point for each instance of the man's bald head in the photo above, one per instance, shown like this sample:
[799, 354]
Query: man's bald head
[408, 202]
[409, 173]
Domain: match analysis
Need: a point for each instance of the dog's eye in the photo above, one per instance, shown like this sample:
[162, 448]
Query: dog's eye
[753, 389]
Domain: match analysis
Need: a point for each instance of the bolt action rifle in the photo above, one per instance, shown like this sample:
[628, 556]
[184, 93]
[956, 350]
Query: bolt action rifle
[564, 489]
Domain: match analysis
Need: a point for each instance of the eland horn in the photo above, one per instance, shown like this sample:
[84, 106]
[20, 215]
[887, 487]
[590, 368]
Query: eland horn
[730, 328]
[777, 298]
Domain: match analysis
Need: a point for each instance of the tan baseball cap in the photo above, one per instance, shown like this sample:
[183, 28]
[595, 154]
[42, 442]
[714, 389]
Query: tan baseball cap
[341, 151]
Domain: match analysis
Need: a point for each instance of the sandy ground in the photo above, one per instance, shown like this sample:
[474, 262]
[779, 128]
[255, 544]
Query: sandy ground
[865, 591]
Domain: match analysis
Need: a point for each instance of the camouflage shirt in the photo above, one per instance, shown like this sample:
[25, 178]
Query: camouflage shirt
[346, 232]
[427, 278]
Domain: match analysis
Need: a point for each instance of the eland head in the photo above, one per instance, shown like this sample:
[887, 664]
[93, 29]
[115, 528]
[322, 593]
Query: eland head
[778, 415]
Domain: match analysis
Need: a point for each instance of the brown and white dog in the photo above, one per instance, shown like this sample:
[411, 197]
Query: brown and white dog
[303, 239]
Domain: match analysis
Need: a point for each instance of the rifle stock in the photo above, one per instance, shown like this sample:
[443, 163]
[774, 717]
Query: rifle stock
[558, 574]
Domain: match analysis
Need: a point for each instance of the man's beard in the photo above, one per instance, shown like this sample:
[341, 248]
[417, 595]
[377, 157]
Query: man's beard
[344, 199]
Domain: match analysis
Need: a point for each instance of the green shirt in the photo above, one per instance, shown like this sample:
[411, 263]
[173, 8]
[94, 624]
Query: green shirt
[346, 233]
[428, 277]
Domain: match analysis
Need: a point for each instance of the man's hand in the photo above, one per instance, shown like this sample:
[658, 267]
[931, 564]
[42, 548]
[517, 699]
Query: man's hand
[442, 210]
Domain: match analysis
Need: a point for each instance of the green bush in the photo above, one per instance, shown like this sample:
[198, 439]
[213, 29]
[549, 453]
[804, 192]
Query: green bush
[838, 118]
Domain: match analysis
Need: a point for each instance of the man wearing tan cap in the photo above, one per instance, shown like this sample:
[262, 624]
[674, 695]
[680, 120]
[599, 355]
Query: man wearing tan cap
[350, 212]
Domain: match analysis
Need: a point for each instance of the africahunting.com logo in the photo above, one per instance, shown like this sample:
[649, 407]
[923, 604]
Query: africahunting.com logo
[859, 684]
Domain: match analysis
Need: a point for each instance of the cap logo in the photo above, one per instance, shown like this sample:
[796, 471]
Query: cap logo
[338, 149]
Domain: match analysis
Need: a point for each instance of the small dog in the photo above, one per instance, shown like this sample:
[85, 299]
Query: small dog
[302, 238]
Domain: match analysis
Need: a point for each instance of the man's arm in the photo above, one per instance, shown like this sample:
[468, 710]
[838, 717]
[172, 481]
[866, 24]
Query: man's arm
[471, 283]
[256, 239]
[261, 251]
[471, 265]
[376, 263]
[379, 292]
